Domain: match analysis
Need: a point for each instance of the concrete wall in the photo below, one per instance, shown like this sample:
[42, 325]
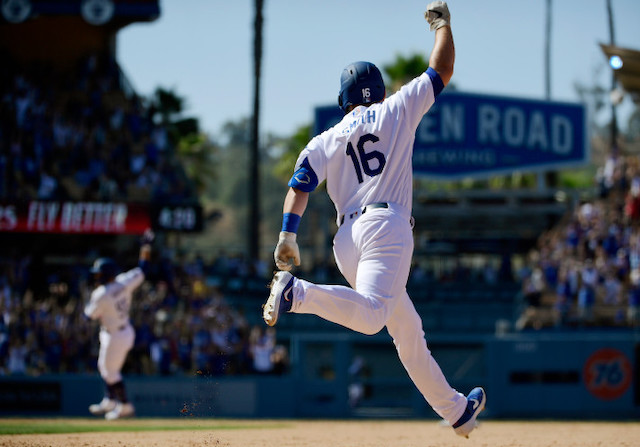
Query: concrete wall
[577, 375]
[573, 375]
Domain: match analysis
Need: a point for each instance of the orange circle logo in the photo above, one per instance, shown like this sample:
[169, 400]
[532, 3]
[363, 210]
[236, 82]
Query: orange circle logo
[607, 373]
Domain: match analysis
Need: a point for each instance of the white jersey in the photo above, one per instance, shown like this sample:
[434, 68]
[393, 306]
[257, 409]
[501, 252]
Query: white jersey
[367, 157]
[110, 303]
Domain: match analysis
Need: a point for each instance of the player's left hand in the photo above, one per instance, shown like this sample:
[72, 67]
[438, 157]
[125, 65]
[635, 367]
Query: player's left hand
[437, 15]
[286, 251]
[147, 237]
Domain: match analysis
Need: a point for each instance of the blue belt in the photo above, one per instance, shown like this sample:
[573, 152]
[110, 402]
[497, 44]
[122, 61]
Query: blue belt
[364, 210]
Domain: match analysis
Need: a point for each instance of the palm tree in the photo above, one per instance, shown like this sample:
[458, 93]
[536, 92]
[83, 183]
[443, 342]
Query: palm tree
[254, 199]
[403, 69]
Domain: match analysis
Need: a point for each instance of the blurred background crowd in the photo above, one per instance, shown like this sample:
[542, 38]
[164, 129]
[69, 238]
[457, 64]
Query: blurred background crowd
[586, 270]
[80, 137]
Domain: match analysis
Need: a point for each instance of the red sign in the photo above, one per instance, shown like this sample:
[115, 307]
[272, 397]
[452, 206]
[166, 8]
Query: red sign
[607, 374]
[75, 217]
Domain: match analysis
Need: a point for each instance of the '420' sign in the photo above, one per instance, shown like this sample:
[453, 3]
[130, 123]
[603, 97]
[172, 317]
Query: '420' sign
[179, 218]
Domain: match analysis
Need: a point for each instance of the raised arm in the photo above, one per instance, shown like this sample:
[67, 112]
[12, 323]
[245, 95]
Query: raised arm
[443, 53]
[145, 250]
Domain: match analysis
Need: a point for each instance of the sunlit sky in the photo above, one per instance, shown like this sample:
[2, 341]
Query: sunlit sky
[203, 50]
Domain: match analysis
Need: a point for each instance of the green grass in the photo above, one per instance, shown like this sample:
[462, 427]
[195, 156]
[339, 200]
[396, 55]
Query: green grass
[48, 426]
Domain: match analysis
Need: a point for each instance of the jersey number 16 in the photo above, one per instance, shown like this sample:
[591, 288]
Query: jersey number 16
[362, 160]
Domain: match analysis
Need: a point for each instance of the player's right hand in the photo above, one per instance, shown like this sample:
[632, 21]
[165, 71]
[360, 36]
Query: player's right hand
[286, 251]
[437, 15]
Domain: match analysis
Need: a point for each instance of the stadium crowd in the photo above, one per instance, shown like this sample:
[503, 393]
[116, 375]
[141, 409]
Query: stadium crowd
[585, 272]
[80, 137]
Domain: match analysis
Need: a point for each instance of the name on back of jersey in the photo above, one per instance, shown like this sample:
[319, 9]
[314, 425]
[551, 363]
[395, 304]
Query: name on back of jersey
[367, 117]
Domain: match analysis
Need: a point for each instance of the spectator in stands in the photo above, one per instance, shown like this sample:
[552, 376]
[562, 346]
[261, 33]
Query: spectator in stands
[48, 184]
[160, 352]
[633, 306]
[224, 339]
[202, 348]
[280, 359]
[563, 298]
[587, 293]
[632, 198]
[612, 288]
[610, 173]
[17, 361]
[533, 287]
[184, 347]
[262, 343]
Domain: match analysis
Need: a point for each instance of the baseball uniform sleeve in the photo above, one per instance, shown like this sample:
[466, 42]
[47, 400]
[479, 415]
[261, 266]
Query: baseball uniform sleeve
[131, 279]
[92, 309]
[415, 98]
[310, 168]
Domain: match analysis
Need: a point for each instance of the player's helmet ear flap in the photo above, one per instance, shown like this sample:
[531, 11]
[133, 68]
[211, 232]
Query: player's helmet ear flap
[360, 83]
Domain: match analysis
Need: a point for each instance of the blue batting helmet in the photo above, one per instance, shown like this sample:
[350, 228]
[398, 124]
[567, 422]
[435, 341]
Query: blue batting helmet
[360, 83]
[106, 268]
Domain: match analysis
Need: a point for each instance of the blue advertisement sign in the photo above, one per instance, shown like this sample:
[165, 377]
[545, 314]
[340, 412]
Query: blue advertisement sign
[469, 135]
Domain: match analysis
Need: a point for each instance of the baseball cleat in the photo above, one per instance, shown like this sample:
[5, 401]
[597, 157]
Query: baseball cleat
[106, 405]
[280, 298]
[120, 411]
[475, 404]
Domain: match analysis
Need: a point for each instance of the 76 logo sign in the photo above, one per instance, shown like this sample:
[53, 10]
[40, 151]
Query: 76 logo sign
[607, 374]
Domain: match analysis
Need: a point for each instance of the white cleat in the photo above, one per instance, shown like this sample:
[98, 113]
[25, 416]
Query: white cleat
[105, 406]
[120, 411]
[280, 298]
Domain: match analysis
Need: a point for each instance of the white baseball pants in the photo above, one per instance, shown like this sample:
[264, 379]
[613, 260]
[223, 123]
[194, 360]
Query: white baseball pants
[374, 253]
[114, 348]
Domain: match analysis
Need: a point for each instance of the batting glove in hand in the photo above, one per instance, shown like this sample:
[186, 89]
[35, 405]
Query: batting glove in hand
[437, 15]
[286, 250]
[147, 237]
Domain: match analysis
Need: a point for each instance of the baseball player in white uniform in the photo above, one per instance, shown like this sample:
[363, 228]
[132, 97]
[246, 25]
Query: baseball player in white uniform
[110, 303]
[366, 162]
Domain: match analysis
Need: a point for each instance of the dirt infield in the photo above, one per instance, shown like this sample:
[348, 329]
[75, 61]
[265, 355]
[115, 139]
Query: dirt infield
[344, 434]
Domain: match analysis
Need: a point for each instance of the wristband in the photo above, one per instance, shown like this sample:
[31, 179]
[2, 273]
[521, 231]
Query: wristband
[290, 222]
[144, 266]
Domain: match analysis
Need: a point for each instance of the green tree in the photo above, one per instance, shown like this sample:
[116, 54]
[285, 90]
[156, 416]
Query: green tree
[289, 148]
[403, 69]
[168, 110]
[225, 193]
[197, 153]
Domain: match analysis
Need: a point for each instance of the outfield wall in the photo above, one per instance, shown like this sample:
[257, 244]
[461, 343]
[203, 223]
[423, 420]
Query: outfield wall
[537, 375]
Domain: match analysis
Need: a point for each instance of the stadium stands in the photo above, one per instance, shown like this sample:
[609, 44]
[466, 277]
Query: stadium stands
[585, 271]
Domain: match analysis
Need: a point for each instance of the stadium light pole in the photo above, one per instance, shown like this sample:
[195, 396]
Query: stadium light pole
[545, 179]
[614, 118]
[254, 172]
[547, 54]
